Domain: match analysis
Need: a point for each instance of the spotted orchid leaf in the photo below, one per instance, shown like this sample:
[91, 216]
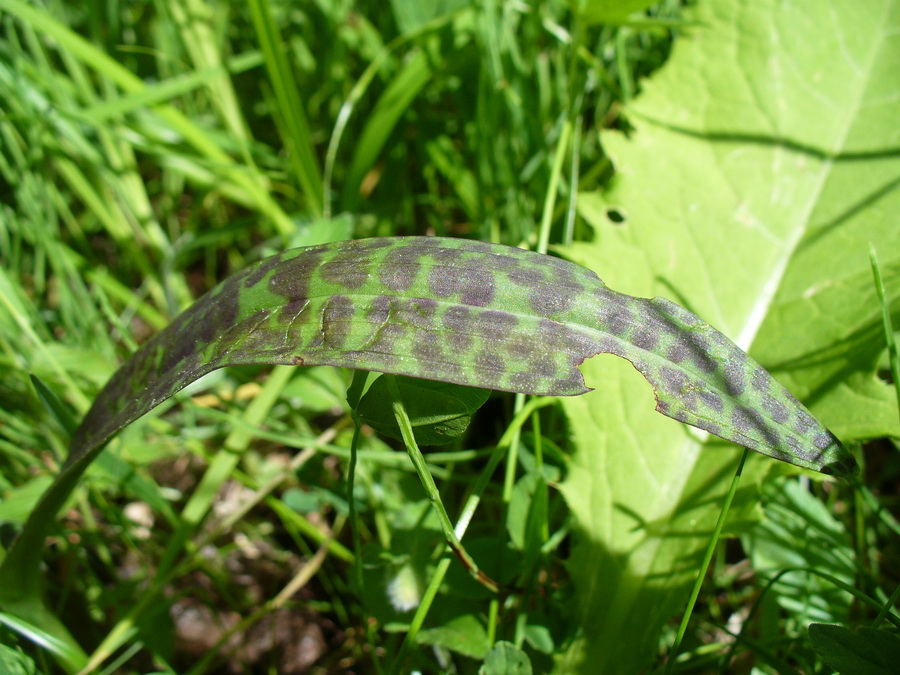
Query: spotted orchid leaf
[451, 310]
[469, 313]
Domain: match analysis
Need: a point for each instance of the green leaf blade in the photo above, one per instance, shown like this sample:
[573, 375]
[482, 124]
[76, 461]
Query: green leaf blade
[463, 312]
[468, 313]
[439, 412]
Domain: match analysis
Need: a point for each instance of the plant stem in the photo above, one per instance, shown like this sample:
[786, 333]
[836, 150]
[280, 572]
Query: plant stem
[707, 558]
[418, 460]
[354, 393]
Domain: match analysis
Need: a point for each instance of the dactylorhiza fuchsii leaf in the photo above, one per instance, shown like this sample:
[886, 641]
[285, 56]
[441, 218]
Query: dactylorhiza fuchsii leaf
[470, 313]
[451, 310]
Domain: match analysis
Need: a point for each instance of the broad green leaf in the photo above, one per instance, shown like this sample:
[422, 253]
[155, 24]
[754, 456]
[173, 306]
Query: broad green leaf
[439, 411]
[864, 652]
[463, 312]
[762, 161]
[469, 313]
[506, 659]
[610, 11]
[463, 634]
[15, 662]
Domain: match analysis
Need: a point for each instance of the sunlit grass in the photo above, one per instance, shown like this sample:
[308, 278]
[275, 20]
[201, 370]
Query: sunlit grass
[147, 149]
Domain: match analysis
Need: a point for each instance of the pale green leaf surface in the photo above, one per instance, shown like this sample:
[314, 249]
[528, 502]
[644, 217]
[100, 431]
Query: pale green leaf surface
[463, 634]
[763, 161]
[610, 11]
[506, 659]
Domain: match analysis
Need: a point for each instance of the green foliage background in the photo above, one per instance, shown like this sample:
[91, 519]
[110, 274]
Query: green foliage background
[761, 168]
[148, 149]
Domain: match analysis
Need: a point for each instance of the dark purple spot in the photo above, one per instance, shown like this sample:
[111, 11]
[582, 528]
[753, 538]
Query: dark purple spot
[526, 276]
[458, 322]
[751, 423]
[519, 346]
[380, 310]
[804, 422]
[198, 326]
[426, 307]
[337, 320]
[503, 262]
[677, 353]
[797, 448]
[553, 298]
[349, 270]
[371, 244]
[477, 288]
[575, 344]
[292, 277]
[480, 246]
[703, 360]
[608, 345]
[711, 399]
[458, 319]
[760, 380]
[713, 428]
[778, 410]
[448, 256]
[427, 347]
[490, 366]
[824, 440]
[616, 319]
[697, 345]
[494, 324]
[399, 270]
[733, 378]
[542, 365]
[293, 311]
[645, 338]
[675, 381]
[443, 282]
[259, 271]
[387, 337]
[416, 312]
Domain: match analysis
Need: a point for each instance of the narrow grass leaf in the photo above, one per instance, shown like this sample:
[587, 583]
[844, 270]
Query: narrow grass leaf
[396, 99]
[297, 138]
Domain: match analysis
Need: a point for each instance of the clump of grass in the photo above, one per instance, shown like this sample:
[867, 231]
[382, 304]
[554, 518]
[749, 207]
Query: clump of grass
[147, 149]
